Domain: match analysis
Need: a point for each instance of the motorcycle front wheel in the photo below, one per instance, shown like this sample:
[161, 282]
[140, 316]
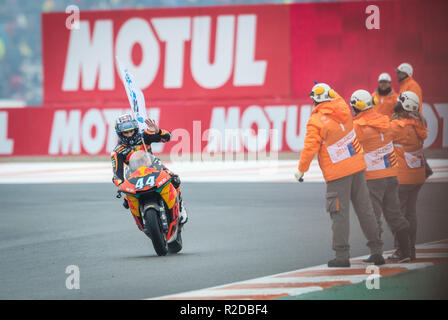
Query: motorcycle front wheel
[154, 228]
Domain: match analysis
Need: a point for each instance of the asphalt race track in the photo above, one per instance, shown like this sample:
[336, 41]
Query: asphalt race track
[236, 231]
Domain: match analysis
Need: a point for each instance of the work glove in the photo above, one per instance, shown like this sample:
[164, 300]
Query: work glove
[299, 176]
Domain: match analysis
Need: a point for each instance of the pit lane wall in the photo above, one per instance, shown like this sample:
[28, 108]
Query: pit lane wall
[227, 78]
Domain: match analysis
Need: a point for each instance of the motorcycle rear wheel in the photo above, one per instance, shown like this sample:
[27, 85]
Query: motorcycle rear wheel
[154, 228]
[176, 245]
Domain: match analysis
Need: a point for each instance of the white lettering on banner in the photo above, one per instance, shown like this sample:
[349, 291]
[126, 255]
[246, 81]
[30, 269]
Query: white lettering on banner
[442, 110]
[277, 115]
[6, 145]
[111, 115]
[173, 31]
[137, 30]
[248, 72]
[93, 143]
[90, 58]
[226, 135]
[65, 137]
[255, 142]
[87, 57]
[219, 125]
[93, 131]
[295, 142]
[216, 74]
[375, 159]
[432, 123]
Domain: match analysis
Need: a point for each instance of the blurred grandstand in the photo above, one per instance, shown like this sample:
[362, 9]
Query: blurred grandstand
[20, 39]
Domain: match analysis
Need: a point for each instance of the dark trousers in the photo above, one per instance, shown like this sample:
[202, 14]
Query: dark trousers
[340, 193]
[408, 194]
[386, 202]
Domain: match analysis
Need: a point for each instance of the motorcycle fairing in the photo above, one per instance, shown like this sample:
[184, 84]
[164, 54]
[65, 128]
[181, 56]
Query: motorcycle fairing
[169, 195]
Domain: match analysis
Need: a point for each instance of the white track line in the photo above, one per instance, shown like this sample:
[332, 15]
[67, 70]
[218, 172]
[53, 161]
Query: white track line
[214, 171]
[248, 292]
[293, 283]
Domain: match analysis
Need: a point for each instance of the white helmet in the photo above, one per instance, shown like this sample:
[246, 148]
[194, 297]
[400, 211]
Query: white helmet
[406, 68]
[409, 100]
[384, 77]
[322, 92]
[362, 100]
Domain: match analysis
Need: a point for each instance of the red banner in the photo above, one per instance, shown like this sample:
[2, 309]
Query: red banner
[225, 79]
[235, 126]
[174, 54]
[338, 43]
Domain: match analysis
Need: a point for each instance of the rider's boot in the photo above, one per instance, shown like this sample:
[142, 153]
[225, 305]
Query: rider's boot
[183, 210]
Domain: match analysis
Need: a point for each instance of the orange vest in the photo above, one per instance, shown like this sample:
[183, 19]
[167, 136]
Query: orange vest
[375, 135]
[330, 133]
[409, 84]
[409, 135]
[385, 103]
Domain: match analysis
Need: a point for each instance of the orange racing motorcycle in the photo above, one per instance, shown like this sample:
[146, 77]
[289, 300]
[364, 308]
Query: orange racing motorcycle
[149, 185]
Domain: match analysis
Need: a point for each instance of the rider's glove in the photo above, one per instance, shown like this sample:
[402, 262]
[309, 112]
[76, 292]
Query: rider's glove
[299, 176]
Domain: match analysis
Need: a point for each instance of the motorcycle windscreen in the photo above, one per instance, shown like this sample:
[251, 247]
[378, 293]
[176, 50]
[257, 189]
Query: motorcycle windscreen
[140, 159]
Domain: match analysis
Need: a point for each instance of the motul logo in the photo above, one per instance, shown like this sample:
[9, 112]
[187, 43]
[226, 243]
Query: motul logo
[91, 51]
[232, 130]
[73, 131]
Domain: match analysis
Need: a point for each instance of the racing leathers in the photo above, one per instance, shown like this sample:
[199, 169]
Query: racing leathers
[121, 155]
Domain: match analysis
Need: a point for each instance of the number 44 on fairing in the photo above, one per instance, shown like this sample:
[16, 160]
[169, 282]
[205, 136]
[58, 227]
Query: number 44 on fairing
[150, 182]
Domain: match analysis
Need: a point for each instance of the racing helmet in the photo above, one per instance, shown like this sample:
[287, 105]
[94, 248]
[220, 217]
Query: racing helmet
[409, 101]
[362, 100]
[126, 123]
[322, 92]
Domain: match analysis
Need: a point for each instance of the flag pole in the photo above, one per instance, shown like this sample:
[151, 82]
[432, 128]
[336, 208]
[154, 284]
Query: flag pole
[144, 144]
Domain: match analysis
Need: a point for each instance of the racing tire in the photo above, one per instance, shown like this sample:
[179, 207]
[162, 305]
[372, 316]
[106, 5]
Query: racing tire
[154, 228]
[176, 245]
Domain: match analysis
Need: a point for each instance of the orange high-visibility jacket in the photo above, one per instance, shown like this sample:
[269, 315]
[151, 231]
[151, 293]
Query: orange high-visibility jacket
[409, 135]
[375, 135]
[330, 133]
[409, 84]
[385, 103]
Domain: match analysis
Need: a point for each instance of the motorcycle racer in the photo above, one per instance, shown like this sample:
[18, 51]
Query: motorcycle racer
[130, 141]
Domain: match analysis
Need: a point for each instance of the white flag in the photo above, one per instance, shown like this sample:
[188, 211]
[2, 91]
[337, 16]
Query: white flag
[135, 96]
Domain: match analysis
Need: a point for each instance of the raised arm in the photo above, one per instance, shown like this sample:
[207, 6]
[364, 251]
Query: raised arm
[154, 133]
